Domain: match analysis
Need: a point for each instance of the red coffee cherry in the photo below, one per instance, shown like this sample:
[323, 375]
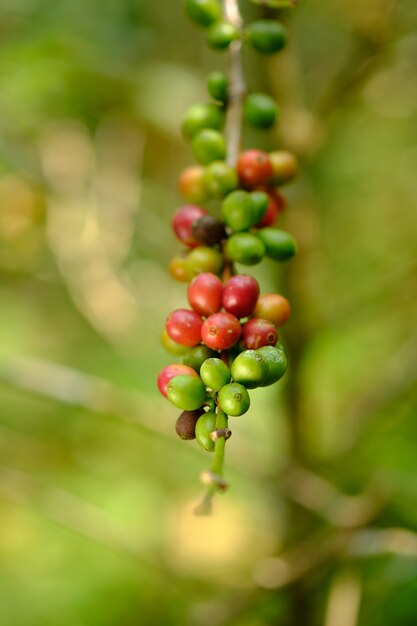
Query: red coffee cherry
[170, 371]
[184, 327]
[254, 168]
[205, 293]
[257, 333]
[183, 220]
[220, 331]
[240, 295]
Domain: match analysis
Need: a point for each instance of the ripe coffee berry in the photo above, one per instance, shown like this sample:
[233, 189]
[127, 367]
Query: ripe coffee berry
[185, 426]
[254, 168]
[220, 331]
[205, 294]
[182, 222]
[276, 204]
[240, 295]
[209, 230]
[169, 372]
[257, 333]
[184, 327]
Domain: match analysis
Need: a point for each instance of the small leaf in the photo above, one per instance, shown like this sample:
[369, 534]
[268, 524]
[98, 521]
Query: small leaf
[276, 4]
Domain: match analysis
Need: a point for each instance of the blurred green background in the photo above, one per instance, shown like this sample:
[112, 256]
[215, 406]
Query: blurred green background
[96, 492]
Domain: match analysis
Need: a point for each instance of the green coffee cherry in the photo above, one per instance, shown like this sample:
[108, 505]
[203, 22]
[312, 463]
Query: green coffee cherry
[172, 346]
[186, 392]
[276, 361]
[249, 369]
[220, 179]
[200, 116]
[218, 86]
[267, 36]
[209, 145]
[203, 12]
[203, 259]
[237, 210]
[260, 110]
[259, 202]
[221, 35]
[215, 374]
[195, 357]
[234, 399]
[279, 245]
[245, 248]
[206, 424]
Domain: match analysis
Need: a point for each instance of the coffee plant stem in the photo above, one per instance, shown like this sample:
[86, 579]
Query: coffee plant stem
[237, 88]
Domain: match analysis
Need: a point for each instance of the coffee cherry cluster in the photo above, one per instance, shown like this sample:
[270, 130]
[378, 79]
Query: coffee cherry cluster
[228, 337]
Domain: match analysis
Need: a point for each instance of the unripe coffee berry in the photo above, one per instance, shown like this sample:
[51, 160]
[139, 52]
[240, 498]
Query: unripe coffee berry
[284, 166]
[204, 259]
[203, 12]
[250, 369]
[184, 327]
[234, 399]
[260, 110]
[257, 333]
[273, 307]
[209, 230]
[267, 36]
[195, 357]
[192, 185]
[254, 168]
[276, 361]
[172, 346]
[169, 372]
[186, 392]
[220, 179]
[205, 293]
[220, 331]
[245, 248]
[221, 35]
[185, 426]
[215, 373]
[209, 145]
[178, 269]
[218, 86]
[279, 245]
[205, 425]
[200, 116]
[182, 222]
[240, 295]
[237, 211]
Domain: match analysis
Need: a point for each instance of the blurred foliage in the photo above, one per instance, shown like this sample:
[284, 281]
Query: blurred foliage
[96, 493]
